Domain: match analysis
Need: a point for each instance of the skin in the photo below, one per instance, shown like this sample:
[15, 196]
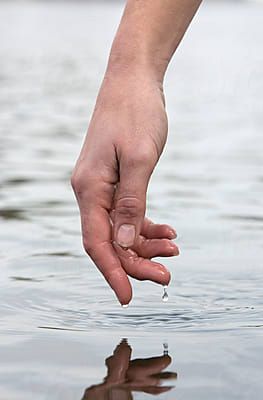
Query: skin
[125, 139]
[125, 376]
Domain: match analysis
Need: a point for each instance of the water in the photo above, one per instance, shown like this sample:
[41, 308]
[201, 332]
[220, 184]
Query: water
[165, 349]
[165, 296]
[58, 319]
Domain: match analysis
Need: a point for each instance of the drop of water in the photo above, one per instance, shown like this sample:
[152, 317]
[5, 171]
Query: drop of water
[165, 294]
[125, 305]
[165, 349]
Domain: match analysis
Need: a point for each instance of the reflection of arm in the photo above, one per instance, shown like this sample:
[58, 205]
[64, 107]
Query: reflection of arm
[125, 376]
[117, 366]
[150, 32]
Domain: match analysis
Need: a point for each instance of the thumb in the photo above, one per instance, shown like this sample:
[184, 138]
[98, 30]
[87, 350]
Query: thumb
[130, 200]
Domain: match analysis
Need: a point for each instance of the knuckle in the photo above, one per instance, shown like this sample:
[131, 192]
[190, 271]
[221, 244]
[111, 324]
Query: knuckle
[130, 206]
[77, 180]
[81, 180]
[73, 180]
[142, 156]
[108, 360]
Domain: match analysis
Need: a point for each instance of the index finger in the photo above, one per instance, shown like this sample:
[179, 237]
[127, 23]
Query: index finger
[118, 363]
[96, 234]
[148, 366]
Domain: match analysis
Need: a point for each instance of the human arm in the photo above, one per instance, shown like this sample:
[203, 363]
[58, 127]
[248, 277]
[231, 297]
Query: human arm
[125, 376]
[125, 139]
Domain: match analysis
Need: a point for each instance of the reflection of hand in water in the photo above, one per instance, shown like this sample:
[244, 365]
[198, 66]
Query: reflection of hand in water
[125, 376]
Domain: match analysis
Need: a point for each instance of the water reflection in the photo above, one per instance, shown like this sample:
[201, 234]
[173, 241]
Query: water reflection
[125, 376]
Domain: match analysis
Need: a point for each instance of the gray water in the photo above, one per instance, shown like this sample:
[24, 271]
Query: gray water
[58, 319]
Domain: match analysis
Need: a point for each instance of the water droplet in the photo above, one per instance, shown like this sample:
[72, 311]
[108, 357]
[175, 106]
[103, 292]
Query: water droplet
[165, 349]
[165, 294]
[125, 305]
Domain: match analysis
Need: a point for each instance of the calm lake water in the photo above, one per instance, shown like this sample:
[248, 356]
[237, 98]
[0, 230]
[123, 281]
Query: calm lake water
[58, 319]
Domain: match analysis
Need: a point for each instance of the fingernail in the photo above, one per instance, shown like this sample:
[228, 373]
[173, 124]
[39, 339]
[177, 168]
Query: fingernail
[126, 235]
[173, 247]
[173, 234]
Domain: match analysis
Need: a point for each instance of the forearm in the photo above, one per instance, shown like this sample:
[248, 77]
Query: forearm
[148, 35]
[125, 139]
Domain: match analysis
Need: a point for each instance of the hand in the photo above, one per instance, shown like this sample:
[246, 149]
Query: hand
[125, 376]
[125, 139]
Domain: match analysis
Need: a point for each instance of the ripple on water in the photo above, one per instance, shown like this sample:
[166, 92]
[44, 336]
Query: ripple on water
[206, 184]
[202, 305]
[12, 214]
[248, 218]
[17, 181]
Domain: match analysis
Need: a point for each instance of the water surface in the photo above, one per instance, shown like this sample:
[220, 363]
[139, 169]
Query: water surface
[58, 320]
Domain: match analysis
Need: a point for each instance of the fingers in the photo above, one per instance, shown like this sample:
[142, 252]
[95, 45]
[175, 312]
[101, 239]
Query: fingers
[135, 172]
[118, 363]
[146, 373]
[154, 390]
[155, 240]
[142, 269]
[167, 375]
[93, 196]
[157, 231]
[148, 366]
[96, 231]
[149, 248]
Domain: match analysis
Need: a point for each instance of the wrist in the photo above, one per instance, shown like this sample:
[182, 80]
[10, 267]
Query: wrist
[127, 87]
[135, 61]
